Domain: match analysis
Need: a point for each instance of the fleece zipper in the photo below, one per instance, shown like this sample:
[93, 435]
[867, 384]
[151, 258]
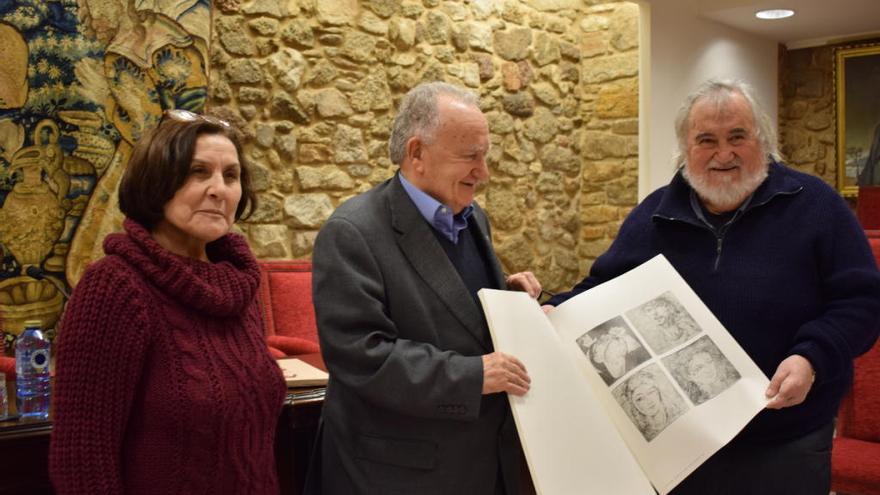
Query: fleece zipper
[720, 232]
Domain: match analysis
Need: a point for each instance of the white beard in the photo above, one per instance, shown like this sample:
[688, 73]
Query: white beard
[728, 195]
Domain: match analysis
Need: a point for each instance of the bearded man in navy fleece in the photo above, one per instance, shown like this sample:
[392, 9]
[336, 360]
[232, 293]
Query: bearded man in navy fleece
[779, 258]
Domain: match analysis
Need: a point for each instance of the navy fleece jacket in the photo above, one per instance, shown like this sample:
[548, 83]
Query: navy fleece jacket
[792, 273]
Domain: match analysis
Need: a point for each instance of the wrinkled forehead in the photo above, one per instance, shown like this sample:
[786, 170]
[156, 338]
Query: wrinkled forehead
[721, 110]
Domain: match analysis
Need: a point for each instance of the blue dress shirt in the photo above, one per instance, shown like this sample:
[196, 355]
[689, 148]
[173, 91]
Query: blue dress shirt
[436, 213]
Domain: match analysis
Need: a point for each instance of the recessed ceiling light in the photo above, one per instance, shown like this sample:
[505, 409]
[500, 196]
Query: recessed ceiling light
[774, 14]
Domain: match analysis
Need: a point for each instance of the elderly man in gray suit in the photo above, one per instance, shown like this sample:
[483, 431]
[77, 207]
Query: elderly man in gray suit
[414, 405]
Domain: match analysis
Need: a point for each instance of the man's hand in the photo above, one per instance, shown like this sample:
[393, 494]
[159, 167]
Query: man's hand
[547, 308]
[504, 373]
[790, 383]
[526, 282]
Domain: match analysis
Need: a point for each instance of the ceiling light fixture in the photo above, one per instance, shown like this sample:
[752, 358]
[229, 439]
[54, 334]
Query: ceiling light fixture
[774, 14]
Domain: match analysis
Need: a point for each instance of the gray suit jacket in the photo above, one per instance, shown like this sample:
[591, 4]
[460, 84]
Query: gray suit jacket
[403, 340]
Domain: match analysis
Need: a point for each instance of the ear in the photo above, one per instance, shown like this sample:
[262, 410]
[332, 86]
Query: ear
[414, 149]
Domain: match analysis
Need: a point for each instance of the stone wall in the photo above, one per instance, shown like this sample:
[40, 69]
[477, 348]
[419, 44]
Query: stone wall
[314, 85]
[807, 110]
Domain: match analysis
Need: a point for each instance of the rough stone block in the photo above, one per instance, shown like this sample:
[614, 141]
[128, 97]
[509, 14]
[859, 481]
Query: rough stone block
[542, 126]
[370, 23]
[264, 26]
[265, 135]
[286, 108]
[286, 145]
[252, 95]
[558, 158]
[303, 243]
[332, 103]
[328, 177]
[298, 33]
[269, 241]
[269, 210]
[348, 145]
[309, 210]
[232, 36]
[358, 47]
[601, 70]
[314, 153]
[519, 104]
[244, 71]
[546, 49]
[505, 209]
[336, 12]
[436, 28]
[513, 44]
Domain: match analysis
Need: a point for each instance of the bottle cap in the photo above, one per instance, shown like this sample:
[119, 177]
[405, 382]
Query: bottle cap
[33, 324]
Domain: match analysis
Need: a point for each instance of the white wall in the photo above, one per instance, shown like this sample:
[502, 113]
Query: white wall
[683, 51]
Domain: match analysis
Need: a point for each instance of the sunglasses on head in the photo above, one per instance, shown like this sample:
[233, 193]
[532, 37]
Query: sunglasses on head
[181, 115]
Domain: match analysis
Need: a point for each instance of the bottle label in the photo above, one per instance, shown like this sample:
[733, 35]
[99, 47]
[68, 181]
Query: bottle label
[40, 359]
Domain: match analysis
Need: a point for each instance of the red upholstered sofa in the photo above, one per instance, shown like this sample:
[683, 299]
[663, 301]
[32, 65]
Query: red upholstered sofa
[7, 366]
[286, 304]
[855, 457]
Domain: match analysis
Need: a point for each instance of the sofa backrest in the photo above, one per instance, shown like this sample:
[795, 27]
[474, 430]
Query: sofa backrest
[857, 417]
[286, 299]
[874, 241]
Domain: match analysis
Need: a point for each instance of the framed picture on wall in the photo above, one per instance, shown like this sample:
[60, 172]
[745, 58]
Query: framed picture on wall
[858, 118]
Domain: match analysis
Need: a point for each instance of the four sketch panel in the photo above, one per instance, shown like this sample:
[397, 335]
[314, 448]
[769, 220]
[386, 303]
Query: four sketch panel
[658, 362]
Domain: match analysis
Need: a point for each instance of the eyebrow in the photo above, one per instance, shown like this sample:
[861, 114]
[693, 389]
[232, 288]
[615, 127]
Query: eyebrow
[196, 161]
[478, 148]
[738, 130]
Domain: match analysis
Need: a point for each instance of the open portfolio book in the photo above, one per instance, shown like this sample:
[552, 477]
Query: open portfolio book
[634, 383]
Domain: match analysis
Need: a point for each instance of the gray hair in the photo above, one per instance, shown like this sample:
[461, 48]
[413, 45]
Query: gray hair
[418, 115]
[719, 92]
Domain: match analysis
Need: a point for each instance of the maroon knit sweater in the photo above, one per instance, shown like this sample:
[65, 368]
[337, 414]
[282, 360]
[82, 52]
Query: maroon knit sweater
[163, 381]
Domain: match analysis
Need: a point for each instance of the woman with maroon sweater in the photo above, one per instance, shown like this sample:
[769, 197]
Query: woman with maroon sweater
[163, 381]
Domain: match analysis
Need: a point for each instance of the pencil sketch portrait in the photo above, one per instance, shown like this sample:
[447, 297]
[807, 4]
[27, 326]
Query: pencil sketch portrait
[613, 349]
[701, 370]
[663, 323]
[650, 401]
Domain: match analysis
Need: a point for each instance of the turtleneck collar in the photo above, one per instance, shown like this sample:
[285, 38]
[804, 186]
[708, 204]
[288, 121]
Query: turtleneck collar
[224, 286]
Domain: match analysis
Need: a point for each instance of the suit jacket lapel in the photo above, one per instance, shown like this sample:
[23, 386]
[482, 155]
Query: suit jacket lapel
[485, 240]
[421, 248]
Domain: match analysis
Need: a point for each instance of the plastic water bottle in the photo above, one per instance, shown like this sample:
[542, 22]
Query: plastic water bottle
[32, 370]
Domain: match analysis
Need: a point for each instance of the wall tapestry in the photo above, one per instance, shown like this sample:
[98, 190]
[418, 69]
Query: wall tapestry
[82, 80]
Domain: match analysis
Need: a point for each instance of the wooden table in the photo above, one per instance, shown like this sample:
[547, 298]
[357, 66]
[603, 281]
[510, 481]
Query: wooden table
[24, 444]
[297, 428]
[24, 448]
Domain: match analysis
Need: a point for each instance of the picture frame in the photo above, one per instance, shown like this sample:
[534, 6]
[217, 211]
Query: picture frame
[858, 117]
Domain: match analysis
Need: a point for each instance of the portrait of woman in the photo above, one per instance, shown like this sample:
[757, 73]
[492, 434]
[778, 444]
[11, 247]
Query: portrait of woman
[163, 381]
[650, 401]
[663, 323]
[612, 349]
[701, 370]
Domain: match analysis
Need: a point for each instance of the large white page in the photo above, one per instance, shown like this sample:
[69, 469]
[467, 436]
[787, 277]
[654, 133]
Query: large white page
[650, 356]
[571, 445]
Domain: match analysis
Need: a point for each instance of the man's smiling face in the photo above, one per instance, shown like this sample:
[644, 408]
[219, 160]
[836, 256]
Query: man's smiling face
[451, 165]
[725, 163]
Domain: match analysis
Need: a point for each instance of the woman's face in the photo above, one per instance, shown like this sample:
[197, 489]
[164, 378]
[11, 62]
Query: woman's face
[659, 312]
[203, 209]
[646, 399]
[701, 369]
